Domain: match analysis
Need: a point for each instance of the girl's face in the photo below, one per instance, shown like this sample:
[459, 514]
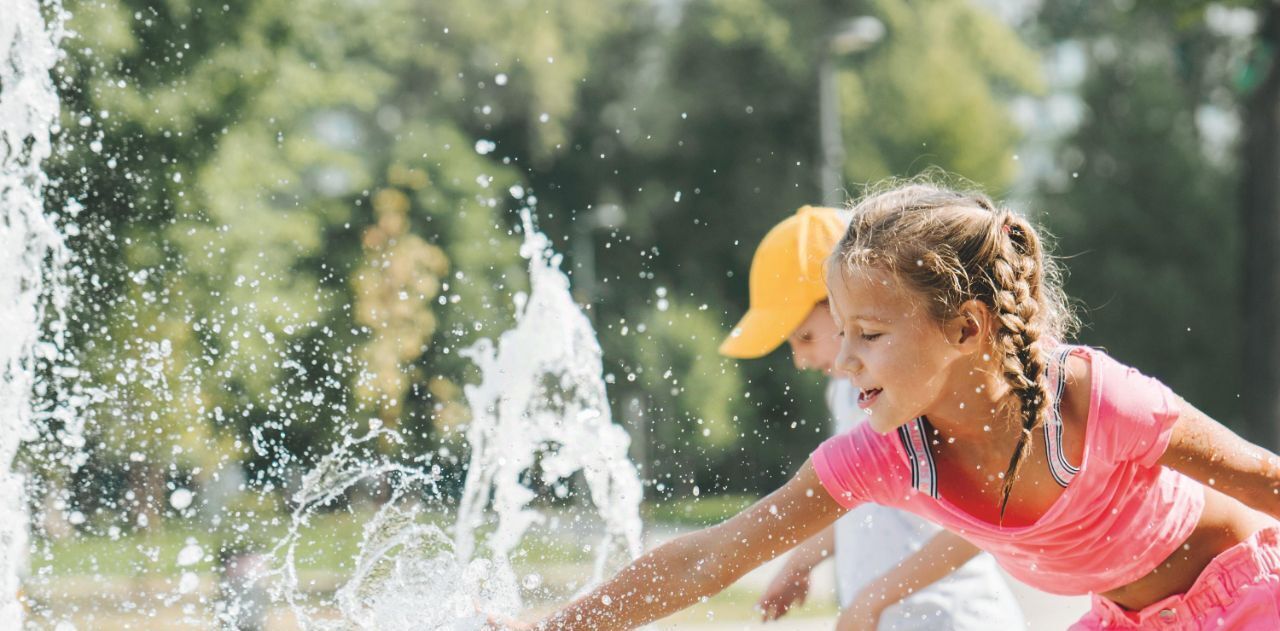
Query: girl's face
[814, 344]
[898, 357]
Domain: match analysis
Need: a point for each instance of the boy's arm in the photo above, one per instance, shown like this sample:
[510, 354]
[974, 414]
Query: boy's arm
[680, 572]
[791, 584]
[942, 555]
[1208, 452]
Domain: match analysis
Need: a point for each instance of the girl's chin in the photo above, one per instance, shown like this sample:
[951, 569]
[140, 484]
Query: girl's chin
[882, 424]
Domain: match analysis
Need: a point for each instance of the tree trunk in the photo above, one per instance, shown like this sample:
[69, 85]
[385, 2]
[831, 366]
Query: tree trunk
[1260, 220]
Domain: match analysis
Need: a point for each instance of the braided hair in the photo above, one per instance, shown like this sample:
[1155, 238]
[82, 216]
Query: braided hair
[952, 246]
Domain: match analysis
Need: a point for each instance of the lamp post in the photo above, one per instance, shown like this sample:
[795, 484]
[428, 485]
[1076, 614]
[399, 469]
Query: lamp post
[604, 216]
[854, 36]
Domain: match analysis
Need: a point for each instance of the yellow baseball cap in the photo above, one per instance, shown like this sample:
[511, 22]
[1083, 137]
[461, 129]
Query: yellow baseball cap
[786, 280]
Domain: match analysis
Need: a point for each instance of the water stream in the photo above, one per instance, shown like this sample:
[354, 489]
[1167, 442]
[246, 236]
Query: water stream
[32, 260]
[539, 415]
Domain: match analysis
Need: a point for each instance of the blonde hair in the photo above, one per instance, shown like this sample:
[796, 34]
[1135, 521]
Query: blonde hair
[952, 246]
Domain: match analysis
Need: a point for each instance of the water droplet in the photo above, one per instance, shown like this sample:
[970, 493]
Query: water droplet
[181, 499]
[190, 554]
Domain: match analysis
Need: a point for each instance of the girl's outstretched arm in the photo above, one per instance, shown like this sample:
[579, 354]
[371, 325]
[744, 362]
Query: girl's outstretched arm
[1205, 450]
[684, 570]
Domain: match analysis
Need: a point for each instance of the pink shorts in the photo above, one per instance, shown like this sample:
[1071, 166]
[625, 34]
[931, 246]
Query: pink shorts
[1239, 590]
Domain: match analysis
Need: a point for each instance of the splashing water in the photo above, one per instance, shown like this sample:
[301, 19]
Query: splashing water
[540, 406]
[404, 560]
[32, 257]
[542, 393]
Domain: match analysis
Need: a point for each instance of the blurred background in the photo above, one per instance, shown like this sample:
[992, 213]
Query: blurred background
[290, 215]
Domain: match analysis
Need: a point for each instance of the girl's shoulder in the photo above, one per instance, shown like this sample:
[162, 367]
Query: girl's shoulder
[1077, 389]
[1114, 408]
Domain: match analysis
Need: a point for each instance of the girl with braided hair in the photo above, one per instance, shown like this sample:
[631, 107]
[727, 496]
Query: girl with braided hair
[1079, 474]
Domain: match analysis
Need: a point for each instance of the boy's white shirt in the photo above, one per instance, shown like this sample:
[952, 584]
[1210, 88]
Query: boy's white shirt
[872, 539]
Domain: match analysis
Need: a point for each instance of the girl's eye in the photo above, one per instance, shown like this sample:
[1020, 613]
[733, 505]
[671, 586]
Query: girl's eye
[871, 337]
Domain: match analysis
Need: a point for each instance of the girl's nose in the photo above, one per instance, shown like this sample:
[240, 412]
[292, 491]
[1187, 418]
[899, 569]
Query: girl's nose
[846, 364]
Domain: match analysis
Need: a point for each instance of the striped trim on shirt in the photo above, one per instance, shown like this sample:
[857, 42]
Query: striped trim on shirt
[924, 474]
[1063, 472]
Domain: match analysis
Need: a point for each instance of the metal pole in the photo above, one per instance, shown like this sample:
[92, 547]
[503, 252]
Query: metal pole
[832, 158]
[856, 35]
[583, 249]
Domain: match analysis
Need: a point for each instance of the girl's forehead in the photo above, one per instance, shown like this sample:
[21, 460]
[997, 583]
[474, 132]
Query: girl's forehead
[867, 293]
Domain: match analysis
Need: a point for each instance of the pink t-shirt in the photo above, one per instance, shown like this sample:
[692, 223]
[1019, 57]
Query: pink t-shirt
[1120, 516]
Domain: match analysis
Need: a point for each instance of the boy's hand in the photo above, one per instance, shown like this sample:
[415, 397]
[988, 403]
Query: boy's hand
[863, 614]
[788, 588]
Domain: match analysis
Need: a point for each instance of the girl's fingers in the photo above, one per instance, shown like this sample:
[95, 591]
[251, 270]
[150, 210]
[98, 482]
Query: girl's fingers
[505, 623]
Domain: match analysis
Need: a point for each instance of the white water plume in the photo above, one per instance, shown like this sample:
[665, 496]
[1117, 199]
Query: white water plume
[32, 257]
[541, 403]
[540, 407]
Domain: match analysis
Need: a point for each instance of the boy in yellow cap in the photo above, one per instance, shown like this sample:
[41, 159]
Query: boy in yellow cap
[877, 549]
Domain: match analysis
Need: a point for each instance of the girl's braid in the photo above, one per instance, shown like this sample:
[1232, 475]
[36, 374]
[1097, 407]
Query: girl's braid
[1015, 276]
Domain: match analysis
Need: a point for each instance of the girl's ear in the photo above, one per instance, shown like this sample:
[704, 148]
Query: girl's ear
[972, 326]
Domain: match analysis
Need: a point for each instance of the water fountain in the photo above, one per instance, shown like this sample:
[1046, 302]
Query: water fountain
[31, 269]
[540, 421]
[540, 407]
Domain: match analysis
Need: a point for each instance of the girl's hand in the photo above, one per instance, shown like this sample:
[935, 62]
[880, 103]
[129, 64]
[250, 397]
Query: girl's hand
[863, 614]
[497, 622]
[788, 588]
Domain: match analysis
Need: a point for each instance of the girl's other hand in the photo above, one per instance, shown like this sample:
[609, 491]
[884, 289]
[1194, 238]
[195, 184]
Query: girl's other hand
[789, 588]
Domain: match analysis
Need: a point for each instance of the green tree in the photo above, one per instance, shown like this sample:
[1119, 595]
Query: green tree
[1144, 212]
[707, 135]
[291, 200]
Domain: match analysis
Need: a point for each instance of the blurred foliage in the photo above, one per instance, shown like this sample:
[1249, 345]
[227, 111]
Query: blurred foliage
[1143, 200]
[297, 213]
[704, 135]
[698, 512]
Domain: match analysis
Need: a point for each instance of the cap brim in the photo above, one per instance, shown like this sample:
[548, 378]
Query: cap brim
[762, 330]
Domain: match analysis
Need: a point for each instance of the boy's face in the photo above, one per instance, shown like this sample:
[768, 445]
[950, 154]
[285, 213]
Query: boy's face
[814, 344]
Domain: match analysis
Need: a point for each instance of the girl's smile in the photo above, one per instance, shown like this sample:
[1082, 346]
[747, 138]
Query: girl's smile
[867, 397]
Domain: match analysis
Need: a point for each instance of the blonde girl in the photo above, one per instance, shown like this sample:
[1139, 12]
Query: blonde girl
[875, 548]
[1077, 473]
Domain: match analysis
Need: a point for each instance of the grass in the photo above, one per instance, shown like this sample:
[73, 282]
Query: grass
[697, 512]
[77, 573]
[331, 541]
[335, 538]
